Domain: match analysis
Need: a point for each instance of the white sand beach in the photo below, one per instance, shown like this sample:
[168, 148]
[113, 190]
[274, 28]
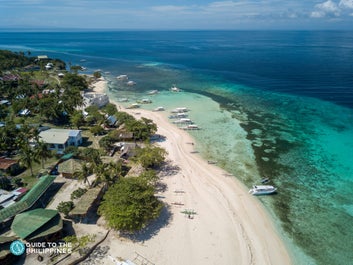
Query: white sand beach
[229, 227]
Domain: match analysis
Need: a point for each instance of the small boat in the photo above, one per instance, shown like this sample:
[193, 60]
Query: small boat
[131, 83]
[153, 92]
[122, 77]
[180, 110]
[145, 101]
[191, 127]
[174, 88]
[159, 109]
[133, 106]
[183, 120]
[262, 190]
[123, 99]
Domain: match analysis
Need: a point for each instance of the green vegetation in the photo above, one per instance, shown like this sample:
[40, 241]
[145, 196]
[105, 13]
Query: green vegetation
[130, 204]
[150, 156]
[33, 96]
[74, 81]
[5, 183]
[65, 207]
[77, 193]
[10, 60]
[141, 129]
[79, 242]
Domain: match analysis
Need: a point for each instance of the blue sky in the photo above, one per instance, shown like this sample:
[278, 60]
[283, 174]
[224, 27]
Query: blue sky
[177, 14]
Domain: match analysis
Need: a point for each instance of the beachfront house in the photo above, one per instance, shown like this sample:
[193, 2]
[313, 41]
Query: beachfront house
[99, 100]
[60, 139]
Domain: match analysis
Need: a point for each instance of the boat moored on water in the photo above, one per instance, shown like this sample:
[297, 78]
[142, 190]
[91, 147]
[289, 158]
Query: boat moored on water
[122, 77]
[191, 127]
[262, 190]
[183, 121]
[152, 92]
[174, 88]
[180, 110]
[131, 83]
[159, 109]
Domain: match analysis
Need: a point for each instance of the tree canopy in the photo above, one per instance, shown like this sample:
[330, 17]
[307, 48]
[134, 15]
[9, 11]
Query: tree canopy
[74, 80]
[130, 204]
[150, 156]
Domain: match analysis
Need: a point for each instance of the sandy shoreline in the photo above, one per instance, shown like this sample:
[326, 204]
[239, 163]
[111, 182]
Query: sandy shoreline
[229, 227]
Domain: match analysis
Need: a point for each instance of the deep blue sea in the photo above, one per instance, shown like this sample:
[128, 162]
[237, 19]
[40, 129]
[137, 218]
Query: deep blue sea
[295, 88]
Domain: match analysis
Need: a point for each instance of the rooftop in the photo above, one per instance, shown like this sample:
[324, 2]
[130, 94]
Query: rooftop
[28, 200]
[5, 163]
[34, 223]
[86, 201]
[58, 136]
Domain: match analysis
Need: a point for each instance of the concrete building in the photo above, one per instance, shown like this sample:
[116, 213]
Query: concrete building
[60, 139]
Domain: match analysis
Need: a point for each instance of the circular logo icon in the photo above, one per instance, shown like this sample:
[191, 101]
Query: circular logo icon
[17, 248]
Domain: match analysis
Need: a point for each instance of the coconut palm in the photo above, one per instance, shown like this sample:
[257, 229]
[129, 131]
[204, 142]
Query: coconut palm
[27, 156]
[83, 174]
[42, 152]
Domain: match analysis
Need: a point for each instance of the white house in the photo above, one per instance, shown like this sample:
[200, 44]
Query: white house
[60, 139]
[99, 100]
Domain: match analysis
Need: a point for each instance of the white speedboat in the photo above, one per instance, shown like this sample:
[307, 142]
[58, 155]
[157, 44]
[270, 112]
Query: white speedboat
[174, 88]
[262, 190]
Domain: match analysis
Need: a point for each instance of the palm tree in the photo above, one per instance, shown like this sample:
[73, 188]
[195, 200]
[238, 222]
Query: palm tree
[42, 151]
[107, 173]
[83, 174]
[27, 156]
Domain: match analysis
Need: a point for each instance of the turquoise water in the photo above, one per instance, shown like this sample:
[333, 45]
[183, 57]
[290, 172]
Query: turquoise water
[282, 108]
[302, 144]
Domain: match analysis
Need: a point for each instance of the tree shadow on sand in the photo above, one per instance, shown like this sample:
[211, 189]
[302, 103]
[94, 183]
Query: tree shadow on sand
[152, 228]
[168, 169]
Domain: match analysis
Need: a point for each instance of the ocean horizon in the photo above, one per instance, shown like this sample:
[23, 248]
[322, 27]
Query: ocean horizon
[288, 93]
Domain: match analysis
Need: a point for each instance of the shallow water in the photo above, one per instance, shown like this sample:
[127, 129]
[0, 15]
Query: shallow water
[295, 141]
[284, 109]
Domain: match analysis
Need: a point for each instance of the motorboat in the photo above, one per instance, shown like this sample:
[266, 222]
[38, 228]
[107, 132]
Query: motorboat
[262, 190]
[174, 88]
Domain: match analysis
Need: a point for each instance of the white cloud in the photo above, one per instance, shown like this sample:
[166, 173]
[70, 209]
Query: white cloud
[328, 8]
[346, 4]
[317, 14]
[223, 4]
[333, 9]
